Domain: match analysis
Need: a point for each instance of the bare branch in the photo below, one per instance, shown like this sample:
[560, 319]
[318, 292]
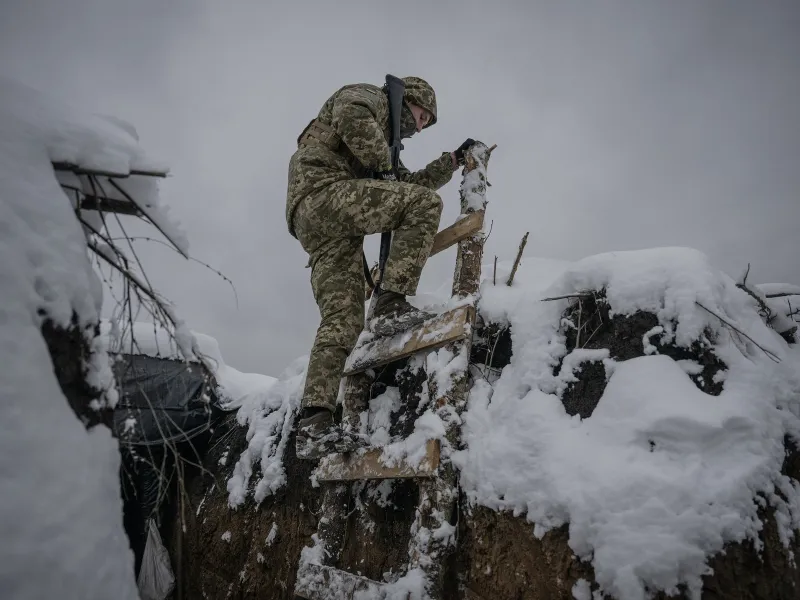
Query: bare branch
[771, 355]
[138, 238]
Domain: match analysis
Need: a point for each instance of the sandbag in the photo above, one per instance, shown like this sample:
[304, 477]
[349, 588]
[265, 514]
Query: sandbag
[156, 578]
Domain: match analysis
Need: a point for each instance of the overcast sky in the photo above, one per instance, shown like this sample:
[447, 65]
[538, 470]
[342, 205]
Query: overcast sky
[620, 125]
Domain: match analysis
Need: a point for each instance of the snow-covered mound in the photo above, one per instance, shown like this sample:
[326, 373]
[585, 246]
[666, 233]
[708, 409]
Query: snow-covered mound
[237, 389]
[668, 468]
[60, 513]
[662, 474]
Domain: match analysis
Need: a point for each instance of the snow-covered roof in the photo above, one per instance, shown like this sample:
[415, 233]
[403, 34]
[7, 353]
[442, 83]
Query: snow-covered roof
[237, 388]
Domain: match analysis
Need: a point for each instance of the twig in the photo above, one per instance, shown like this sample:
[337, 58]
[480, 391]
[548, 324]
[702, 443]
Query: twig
[519, 257]
[192, 258]
[782, 294]
[494, 274]
[771, 355]
[586, 294]
[744, 277]
[765, 311]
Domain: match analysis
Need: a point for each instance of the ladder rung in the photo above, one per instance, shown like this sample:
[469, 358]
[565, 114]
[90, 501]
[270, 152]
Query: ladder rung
[431, 334]
[460, 230]
[318, 582]
[368, 465]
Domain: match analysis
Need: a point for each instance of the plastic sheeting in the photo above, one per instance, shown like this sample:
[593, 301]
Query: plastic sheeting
[162, 400]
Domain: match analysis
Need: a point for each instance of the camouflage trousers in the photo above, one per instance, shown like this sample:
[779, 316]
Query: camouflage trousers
[331, 228]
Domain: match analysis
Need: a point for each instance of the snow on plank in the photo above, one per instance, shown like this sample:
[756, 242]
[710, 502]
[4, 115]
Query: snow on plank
[368, 465]
[318, 582]
[429, 335]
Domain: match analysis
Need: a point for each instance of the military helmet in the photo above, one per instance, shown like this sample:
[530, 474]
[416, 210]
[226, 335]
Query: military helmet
[419, 92]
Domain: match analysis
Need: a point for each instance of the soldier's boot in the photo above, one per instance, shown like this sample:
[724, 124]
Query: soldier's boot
[319, 435]
[394, 314]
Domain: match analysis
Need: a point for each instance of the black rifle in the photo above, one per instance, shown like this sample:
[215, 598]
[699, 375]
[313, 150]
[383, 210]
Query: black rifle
[396, 89]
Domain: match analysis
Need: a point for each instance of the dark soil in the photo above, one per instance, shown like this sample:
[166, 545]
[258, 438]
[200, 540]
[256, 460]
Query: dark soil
[70, 354]
[622, 336]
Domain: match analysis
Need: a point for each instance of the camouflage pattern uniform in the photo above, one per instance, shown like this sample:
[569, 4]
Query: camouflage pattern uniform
[333, 202]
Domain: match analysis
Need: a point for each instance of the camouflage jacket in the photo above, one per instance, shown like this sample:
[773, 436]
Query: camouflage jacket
[359, 114]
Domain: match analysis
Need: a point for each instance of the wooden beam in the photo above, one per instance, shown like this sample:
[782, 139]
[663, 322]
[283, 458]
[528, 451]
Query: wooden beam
[65, 166]
[368, 465]
[110, 205]
[318, 582]
[434, 333]
[461, 229]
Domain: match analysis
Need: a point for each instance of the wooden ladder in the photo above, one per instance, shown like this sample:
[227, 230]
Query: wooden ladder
[319, 578]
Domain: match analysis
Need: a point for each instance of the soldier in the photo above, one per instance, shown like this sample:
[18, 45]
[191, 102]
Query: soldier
[341, 188]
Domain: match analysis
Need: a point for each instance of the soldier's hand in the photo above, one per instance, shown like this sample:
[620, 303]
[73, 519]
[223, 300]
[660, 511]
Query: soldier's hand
[459, 152]
[386, 175]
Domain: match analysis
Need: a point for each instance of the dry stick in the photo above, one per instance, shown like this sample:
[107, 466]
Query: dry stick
[494, 274]
[782, 294]
[771, 355]
[767, 312]
[519, 257]
[565, 296]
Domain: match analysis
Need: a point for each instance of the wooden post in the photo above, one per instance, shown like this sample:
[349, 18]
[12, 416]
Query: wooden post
[439, 496]
[467, 276]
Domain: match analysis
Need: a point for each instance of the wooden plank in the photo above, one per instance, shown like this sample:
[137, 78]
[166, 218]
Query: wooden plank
[78, 170]
[429, 335]
[461, 229]
[368, 465]
[110, 205]
[318, 582]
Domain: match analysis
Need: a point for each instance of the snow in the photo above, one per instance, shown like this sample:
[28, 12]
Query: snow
[582, 590]
[269, 419]
[662, 475]
[226, 537]
[237, 389]
[273, 533]
[60, 516]
[473, 185]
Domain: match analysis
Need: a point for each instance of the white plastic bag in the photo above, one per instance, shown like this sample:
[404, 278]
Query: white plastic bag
[156, 579]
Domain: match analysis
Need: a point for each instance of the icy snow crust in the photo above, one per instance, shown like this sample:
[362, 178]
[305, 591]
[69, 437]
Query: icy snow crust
[60, 507]
[646, 518]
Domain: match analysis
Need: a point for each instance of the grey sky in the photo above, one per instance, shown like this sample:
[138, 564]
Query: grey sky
[620, 125]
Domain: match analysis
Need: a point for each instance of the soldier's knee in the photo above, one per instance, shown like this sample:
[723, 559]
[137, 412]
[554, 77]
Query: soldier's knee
[430, 202]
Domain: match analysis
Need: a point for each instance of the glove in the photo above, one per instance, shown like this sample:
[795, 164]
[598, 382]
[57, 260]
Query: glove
[386, 175]
[459, 152]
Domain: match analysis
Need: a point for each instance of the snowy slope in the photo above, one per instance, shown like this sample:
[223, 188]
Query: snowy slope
[60, 506]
